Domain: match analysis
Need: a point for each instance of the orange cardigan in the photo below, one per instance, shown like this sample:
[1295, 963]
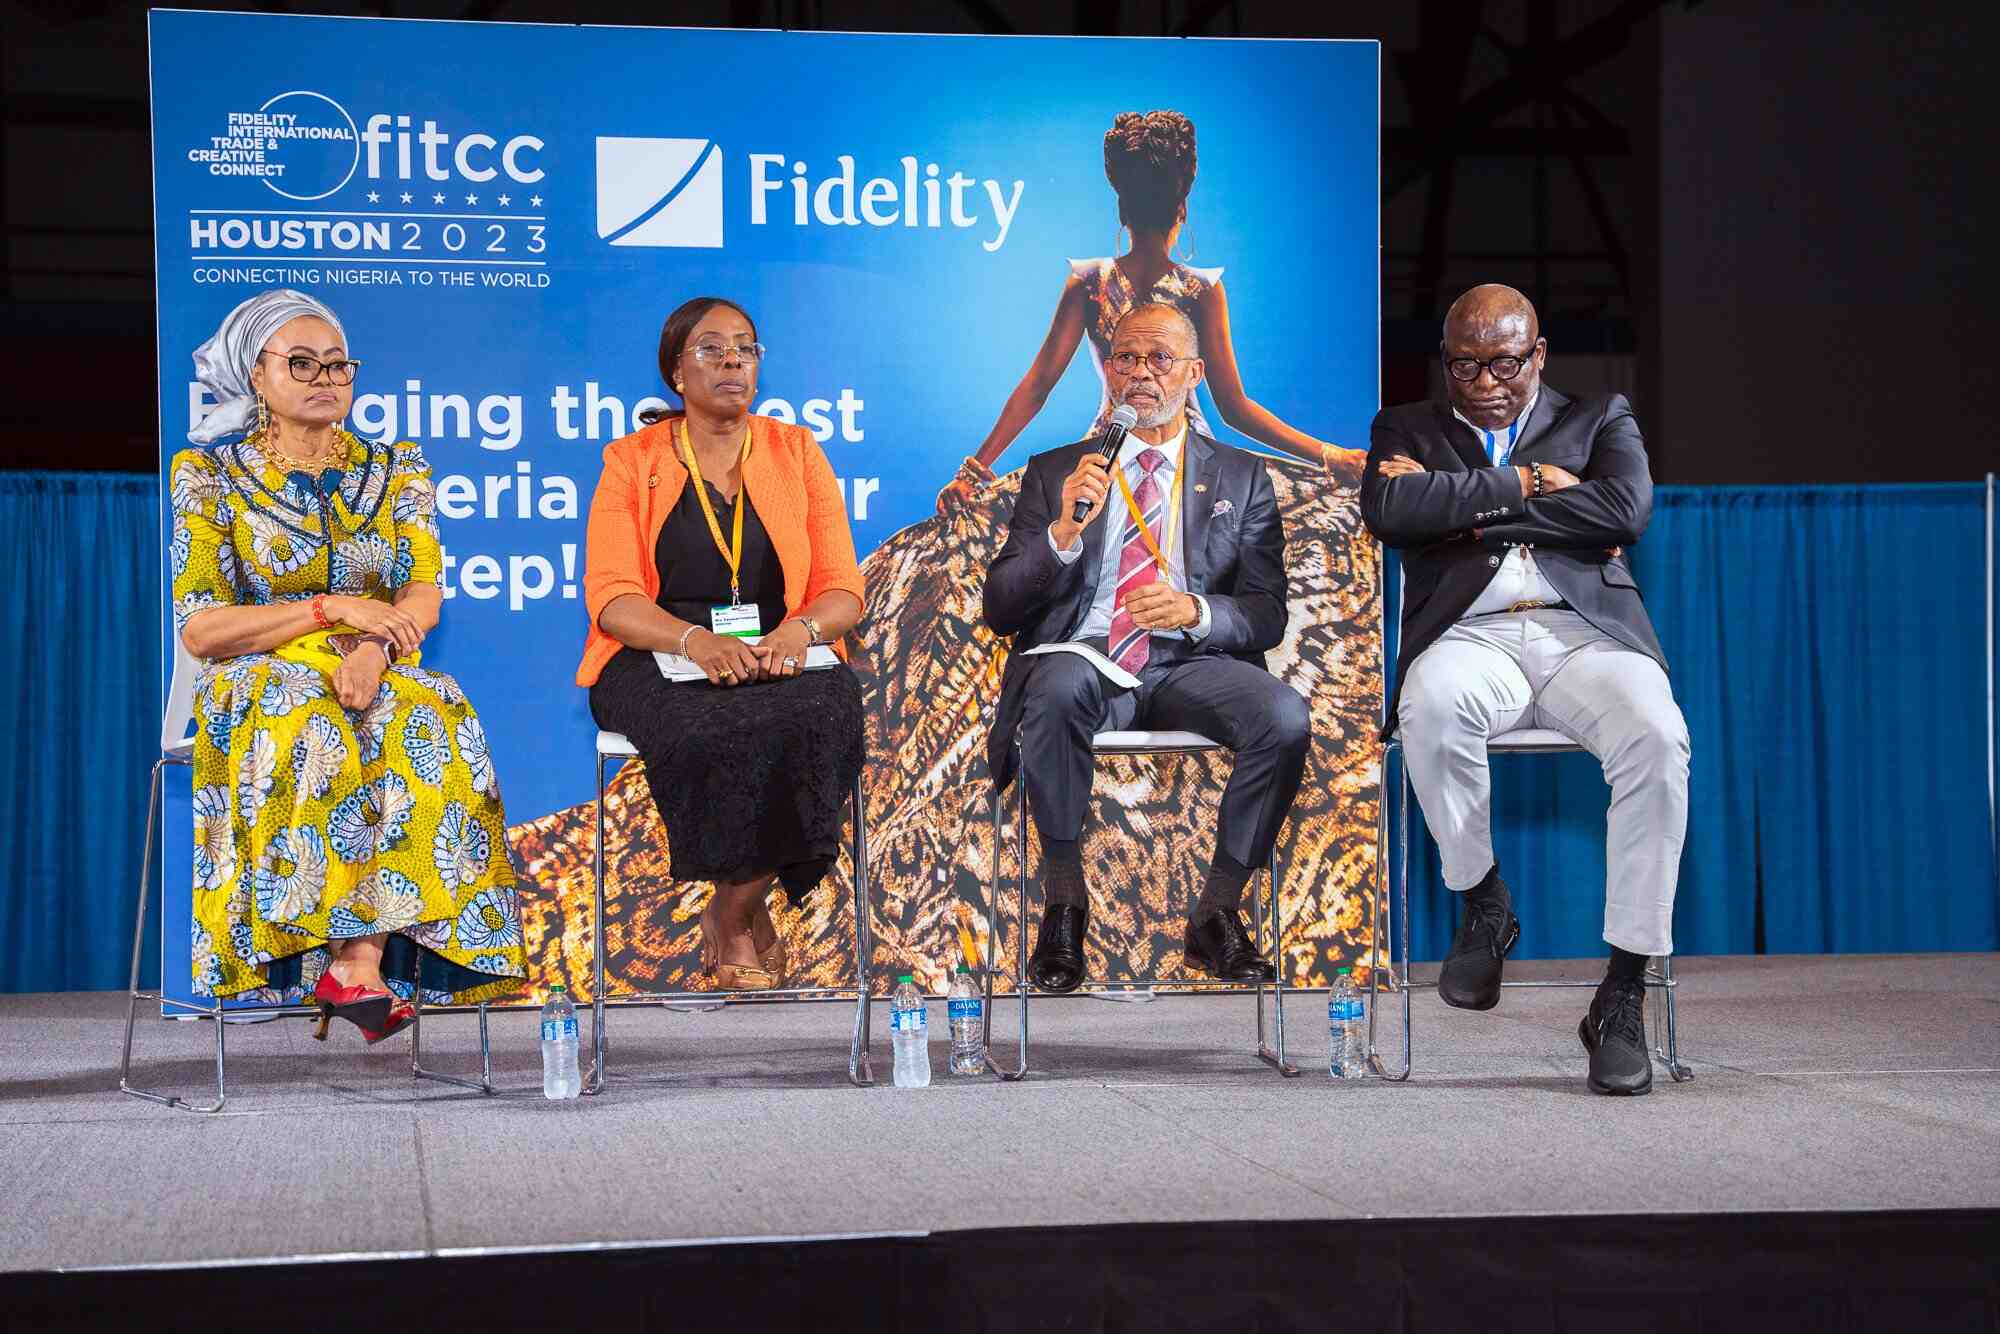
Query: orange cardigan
[788, 479]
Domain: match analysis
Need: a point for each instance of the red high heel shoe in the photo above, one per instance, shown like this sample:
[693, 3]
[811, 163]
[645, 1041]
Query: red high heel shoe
[400, 1015]
[366, 1009]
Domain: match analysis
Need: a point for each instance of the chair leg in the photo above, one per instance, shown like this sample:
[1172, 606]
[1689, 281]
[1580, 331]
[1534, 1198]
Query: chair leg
[1019, 1069]
[1274, 921]
[1671, 1054]
[484, 1083]
[134, 994]
[860, 1069]
[1401, 875]
[593, 1081]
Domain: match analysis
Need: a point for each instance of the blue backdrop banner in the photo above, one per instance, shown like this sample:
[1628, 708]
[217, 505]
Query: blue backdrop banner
[503, 216]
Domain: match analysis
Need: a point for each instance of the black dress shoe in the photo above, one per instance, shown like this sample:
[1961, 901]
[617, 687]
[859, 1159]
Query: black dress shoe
[1218, 945]
[1614, 1033]
[1470, 979]
[1057, 963]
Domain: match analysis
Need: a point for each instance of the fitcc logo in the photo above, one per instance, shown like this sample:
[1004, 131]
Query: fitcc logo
[305, 146]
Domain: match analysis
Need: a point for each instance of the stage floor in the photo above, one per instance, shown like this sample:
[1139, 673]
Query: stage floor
[1845, 1083]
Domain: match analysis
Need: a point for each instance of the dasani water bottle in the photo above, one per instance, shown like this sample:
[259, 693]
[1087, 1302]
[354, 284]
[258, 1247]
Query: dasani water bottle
[968, 1054]
[560, 1079]
[1346, 1030]
[909, 1030]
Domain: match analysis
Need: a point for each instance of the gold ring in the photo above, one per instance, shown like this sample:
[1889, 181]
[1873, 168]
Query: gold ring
[726, 674]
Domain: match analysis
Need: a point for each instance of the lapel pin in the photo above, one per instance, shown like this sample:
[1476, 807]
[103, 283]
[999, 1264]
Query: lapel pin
[1221, 507]
[1200, 487]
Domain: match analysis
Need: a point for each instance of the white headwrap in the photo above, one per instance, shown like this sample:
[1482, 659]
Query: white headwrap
[224, 362]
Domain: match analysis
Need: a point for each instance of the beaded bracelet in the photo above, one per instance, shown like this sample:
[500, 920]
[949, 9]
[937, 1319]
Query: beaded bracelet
[1536, 469]
[319, 611]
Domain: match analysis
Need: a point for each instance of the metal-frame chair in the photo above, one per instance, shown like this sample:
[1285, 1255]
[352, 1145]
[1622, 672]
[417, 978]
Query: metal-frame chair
[177, 748]
[1133, 743]
[615, 748]
[1526, 741]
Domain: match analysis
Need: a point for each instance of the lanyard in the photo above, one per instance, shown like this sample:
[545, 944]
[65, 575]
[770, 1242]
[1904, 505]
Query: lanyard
[1166, 542]
[732, 553]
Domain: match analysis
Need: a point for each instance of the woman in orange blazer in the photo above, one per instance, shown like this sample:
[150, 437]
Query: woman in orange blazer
[709, 524]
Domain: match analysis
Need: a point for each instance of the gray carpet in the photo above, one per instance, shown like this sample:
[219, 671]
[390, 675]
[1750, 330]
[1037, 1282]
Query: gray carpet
[1826, 1083]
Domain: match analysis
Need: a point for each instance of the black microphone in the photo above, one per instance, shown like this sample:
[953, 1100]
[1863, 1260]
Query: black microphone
[1123, 418]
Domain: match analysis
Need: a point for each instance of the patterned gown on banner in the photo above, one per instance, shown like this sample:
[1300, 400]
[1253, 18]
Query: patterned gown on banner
[314, 824]
[930, 675]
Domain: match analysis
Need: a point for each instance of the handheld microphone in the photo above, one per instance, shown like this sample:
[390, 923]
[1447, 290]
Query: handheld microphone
[1123, 418]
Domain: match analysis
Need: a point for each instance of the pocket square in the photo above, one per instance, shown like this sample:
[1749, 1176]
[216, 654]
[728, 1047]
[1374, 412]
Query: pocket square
[1221, 507]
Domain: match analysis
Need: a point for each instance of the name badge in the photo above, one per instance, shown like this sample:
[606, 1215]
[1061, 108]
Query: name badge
[740, 621]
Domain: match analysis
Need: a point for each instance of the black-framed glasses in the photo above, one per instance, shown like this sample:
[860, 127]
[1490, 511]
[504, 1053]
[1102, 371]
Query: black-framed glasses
[1504, 368]
[1157, 362]
[306, 369]
[714, 354]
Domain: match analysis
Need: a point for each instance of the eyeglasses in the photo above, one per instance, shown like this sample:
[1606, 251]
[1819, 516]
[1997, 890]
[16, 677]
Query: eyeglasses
[306, 369]
[1158, 362]
[714, 354]
[1503, 368]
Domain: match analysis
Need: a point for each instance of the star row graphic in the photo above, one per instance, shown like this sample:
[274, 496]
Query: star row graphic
[534, 201]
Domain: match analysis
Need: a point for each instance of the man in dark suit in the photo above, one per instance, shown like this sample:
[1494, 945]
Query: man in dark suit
[1183, 597]
[1512, 504]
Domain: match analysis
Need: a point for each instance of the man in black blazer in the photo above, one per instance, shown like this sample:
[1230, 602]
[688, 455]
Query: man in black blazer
[1183, 597]
[1512, 505]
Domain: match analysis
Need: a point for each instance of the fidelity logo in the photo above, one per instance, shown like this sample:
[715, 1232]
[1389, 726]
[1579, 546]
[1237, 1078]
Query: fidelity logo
[669, 192]
[304, 145]
[660, 192]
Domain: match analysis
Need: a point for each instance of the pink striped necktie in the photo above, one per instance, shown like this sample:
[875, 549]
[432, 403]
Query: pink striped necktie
[1130, 645]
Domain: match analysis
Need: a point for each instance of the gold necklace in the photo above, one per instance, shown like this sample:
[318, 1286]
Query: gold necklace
[270, 447]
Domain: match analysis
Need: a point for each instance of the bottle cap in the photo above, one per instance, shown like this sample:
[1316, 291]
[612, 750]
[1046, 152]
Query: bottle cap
[554, 987]
[906, 978]
[963, 970]
[1345, 972]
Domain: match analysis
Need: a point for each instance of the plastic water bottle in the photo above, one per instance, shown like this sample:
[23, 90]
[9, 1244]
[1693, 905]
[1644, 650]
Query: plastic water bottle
[560, 1079]
[909, 1030]
[968, 1056]
[1346, 1030]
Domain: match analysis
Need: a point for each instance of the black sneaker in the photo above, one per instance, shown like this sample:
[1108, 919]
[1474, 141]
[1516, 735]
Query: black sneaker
[1614, 1033]
[1470, 978]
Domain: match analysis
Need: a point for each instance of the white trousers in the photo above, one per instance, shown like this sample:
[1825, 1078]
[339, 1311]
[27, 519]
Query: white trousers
[1553, 669]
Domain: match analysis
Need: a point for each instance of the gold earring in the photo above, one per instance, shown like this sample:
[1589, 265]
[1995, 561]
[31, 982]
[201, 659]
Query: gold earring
[677, 387]
[263, 416]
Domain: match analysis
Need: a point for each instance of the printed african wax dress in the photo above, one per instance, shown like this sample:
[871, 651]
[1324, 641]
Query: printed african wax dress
[315, 824]
[1111, 295]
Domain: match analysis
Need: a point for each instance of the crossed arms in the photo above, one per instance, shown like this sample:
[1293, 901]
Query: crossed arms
[1413, 504]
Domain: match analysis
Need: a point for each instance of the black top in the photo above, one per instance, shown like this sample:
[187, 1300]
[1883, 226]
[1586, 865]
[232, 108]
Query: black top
[695, 577]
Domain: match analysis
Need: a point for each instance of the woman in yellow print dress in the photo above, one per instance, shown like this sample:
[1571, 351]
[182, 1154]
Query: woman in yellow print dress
[349, 837]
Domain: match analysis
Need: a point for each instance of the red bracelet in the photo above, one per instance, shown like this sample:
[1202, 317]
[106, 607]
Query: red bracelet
[319, 611]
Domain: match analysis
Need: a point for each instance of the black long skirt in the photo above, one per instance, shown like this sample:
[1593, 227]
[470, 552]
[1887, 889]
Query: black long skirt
[750, 779]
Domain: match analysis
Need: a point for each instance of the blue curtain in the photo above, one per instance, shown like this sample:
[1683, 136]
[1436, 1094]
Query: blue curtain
[80, 632]
[1828, 647]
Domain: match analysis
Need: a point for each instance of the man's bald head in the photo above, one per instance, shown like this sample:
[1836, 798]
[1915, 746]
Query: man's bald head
[1492, 307]
[1152, 312]
[1490, 323]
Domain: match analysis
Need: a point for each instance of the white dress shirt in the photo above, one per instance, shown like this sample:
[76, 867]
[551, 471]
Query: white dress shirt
[1097, 623]
[1518, 579]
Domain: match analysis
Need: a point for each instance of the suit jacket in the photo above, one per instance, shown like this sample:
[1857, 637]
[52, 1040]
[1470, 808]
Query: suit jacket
[1235, 558]
[1429, 517]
